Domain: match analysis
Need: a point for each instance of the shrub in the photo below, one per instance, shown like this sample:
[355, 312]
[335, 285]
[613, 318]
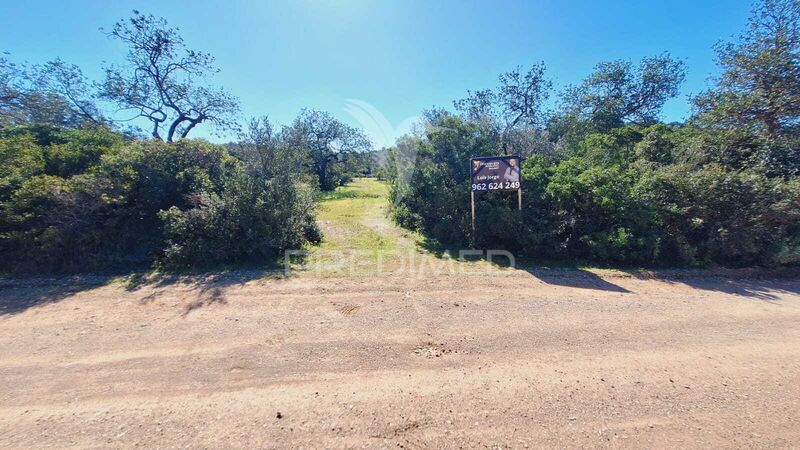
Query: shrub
[86, 199]
[248, 220]
[715, 214]
[633, 195]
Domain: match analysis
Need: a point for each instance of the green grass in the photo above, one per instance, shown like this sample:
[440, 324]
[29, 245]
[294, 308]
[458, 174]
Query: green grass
[359, 238]
[350, 215]
[354, 222]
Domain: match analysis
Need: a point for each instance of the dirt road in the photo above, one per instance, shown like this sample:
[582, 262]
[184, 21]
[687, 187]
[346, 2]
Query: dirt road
[558, 359]
[509, 359]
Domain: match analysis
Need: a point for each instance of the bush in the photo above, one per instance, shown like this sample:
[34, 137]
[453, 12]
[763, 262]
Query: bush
[633, 195]
[718, 215]
[599, 216]
[249, 220]
[435, 199]
[87, 199]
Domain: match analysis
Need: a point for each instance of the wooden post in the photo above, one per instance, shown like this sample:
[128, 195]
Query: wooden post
[519, 198]
[472, 201]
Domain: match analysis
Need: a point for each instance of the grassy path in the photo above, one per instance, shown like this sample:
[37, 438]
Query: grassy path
[354, 217]
[360, 239]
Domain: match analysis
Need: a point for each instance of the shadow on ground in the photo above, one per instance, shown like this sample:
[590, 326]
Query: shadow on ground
[757, 283]
[207, 288]
[17, 295]
[575, 278]
[20, 294]
[567, 276]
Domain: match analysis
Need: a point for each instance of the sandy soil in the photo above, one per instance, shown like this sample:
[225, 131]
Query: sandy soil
[513, 359]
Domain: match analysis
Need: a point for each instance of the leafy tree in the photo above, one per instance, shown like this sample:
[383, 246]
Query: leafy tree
[10, 92]
[268, 153]
[159, 80]
[68, 82]
[20, 158]
[753, 112]
[514, 106]
[329, 143]
[618, 93]
[54, 94]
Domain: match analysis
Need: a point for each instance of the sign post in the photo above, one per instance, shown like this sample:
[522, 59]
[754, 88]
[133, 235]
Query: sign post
[472, 202]
[495, 173]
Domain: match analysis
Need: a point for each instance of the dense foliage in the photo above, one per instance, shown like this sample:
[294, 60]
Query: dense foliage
[604, 181]
[83, 189]
[88, 199]
[332, 147]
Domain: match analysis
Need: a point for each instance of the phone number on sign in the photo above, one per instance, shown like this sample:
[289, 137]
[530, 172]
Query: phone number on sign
[495, 186]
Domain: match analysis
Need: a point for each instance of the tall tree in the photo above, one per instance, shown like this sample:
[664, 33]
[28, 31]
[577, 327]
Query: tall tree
[56, 94]
[328, 141]
[516, 104]
[67, 81]
[159, 81]
[617, 93]
[759, 89]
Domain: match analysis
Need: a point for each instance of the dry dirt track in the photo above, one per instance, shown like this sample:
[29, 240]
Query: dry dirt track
[553, 358]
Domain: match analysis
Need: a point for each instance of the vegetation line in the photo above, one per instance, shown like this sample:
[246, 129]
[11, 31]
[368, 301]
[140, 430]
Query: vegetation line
[103, 174]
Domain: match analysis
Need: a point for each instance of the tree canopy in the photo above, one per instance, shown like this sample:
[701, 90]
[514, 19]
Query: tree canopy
[159, 80]
[329, 143]
[619, 93]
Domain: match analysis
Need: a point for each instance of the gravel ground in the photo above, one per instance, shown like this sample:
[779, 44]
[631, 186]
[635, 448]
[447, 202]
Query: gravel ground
[513, 359]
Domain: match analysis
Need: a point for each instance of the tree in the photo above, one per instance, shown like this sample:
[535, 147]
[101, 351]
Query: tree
[10, 90]
[159, 81]
[516, 103]
[617, 93]
[269, 154]
[759, 89]
[67, 81]
[54, 94]
[329, 143]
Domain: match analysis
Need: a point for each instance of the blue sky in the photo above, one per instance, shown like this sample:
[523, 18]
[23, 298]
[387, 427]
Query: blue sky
[398, 57]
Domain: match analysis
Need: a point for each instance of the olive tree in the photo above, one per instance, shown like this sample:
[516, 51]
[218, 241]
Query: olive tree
[514, 106]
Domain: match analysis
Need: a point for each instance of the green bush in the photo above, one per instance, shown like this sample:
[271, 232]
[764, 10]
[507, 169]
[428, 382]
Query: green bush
[633, 195]
[87, 199]
[248, 220]
[717, 215]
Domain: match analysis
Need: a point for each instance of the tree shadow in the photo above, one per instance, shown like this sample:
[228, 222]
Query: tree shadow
[758, 283]
[441, 251]
[20, 294]
[568, 275]
[574, 278]
[207, 288]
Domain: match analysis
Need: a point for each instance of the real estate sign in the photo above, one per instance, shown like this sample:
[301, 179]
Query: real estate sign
[496, 173]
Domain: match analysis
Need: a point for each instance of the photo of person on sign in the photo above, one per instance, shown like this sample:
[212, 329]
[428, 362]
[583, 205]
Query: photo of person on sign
[476, 165]
[512, 171]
